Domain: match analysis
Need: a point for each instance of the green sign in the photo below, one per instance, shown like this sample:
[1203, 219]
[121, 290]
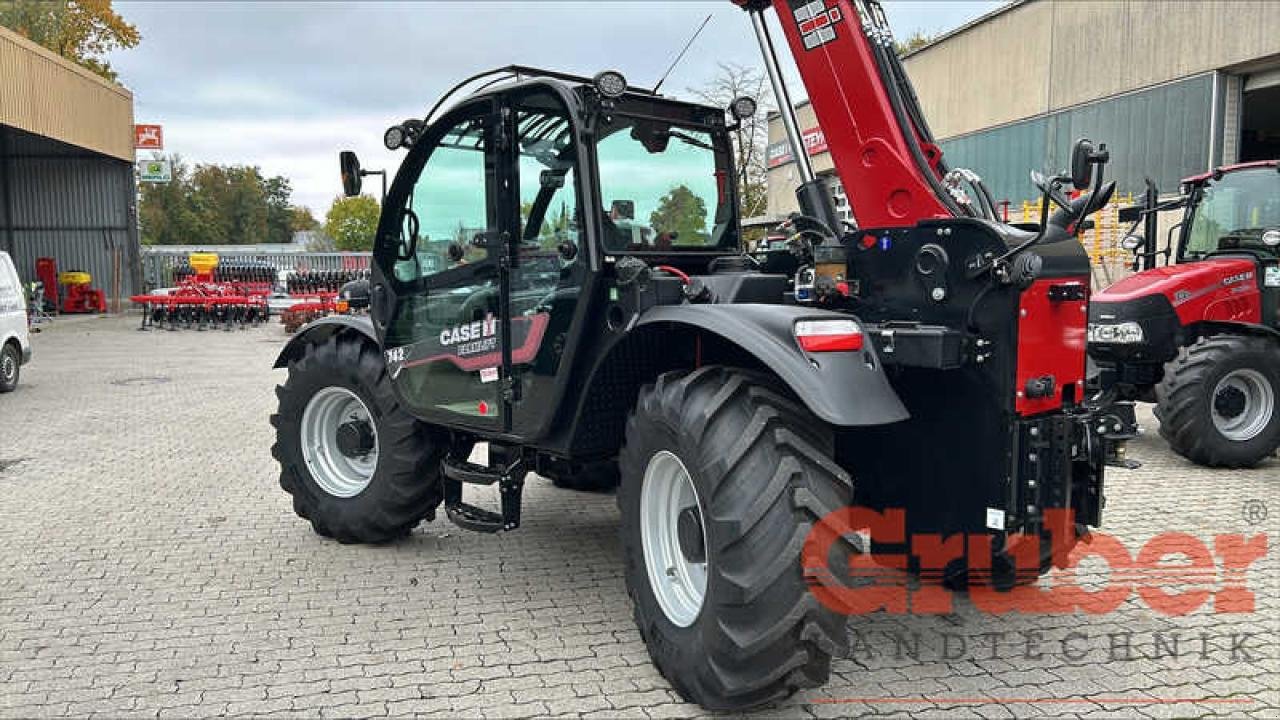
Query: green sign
[154, 171]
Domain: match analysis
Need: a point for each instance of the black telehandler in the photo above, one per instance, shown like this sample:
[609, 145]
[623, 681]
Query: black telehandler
[558, 272]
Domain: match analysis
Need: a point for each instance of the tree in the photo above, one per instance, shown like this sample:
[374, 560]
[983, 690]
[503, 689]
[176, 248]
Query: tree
[914, 41]
[276, 192]
[301, 219]
[682, 212]
[216, 205]
[167, 214]
[749, 144]
[352, 222]
[82, 31]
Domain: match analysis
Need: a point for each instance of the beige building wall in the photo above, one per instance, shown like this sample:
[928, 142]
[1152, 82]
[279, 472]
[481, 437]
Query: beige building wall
[784, 180]
[1039, 56]
[47, 95]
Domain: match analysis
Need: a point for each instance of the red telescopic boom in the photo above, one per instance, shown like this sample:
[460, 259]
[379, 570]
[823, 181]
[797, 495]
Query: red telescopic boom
[880, 144]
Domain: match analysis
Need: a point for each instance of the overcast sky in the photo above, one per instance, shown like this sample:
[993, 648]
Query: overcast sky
[287, 85]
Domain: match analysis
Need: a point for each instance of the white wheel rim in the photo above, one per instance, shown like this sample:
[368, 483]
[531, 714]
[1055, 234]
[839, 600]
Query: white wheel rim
[1243, 404]
[679, 584]
[338, 473]
[8, 366]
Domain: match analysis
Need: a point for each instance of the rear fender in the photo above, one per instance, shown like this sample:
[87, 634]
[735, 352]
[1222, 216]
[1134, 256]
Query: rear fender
[319, 331]
[844, 389]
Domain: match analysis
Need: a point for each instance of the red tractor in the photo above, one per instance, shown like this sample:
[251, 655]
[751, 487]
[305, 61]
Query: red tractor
[1200, 336]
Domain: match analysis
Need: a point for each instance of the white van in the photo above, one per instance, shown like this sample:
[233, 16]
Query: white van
[15, 342]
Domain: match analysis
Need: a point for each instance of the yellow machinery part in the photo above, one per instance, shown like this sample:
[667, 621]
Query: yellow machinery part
[203, 263]
[74, 277]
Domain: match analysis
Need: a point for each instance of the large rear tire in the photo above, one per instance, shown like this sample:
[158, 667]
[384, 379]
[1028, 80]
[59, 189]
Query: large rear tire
[741, 628]
[358, 466]
[1219, 401]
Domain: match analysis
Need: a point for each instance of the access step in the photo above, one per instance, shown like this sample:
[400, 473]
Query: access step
[507, 471]
[470, 517]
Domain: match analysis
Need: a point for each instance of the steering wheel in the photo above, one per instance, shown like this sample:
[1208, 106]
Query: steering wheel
[1050, 188]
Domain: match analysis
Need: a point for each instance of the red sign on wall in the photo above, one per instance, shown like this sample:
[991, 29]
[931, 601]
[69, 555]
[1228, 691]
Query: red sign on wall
[148, 137]
[815, 143]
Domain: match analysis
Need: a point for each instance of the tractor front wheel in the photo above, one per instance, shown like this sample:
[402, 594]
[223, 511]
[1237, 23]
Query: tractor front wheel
[1219, 401]
[723, 478]
[359, 467]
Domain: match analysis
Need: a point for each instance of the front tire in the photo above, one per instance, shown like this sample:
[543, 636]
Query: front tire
[10, 367]
[718, 451]
[358, 466]
[1219, 401]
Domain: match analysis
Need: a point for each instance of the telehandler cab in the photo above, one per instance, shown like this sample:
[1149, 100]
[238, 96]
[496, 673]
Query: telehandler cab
[558, 272]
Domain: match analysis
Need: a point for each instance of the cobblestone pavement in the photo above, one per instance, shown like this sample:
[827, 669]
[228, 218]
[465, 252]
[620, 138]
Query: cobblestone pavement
[152, 567]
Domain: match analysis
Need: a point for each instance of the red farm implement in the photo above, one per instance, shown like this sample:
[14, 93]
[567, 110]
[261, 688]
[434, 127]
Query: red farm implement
[208, 297]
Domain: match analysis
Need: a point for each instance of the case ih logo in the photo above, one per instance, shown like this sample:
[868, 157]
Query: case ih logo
[817, 23]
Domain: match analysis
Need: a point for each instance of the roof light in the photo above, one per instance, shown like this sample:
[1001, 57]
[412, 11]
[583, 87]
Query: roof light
[610, 84]
[817, 336]
[393, 138]
[743, 107]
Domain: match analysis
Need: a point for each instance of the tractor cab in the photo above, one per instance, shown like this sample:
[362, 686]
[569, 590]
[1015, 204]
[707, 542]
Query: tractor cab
[1232, 213]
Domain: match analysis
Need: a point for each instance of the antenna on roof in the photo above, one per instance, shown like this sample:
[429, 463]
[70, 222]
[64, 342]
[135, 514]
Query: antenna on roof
[680, 57]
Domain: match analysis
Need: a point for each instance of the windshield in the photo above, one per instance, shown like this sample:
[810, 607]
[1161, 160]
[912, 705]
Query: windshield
[1234, 212]
[664, 187]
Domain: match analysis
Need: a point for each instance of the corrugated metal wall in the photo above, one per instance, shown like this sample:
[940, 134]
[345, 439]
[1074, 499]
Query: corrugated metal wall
[1162, 132]
[68, 204]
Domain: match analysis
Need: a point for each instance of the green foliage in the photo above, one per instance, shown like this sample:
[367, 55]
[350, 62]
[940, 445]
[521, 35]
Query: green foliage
[353, 222]
[82, 31]
[915, 41]
[682, 212]
[301, 220]
[216, 205]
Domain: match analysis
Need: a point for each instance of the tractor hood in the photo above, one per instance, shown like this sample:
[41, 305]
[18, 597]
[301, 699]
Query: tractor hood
[1180, 283]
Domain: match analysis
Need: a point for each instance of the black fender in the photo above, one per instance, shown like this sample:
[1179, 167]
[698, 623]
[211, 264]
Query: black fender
[841, 388]
[1209, 328]
[318, 331]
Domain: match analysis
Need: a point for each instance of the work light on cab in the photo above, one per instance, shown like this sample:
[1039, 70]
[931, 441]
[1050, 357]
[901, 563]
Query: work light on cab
[393, 139]
[610, 84]
[828, 335]
[743, 107]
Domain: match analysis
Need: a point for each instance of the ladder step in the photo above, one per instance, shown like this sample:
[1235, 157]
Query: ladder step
[469, 472]
[470, 517]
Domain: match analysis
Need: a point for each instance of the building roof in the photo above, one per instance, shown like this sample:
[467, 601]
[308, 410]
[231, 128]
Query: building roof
[986, 17]
[48, 95]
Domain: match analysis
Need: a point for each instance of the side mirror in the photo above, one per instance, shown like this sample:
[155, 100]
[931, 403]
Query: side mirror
[1271, 238]
[352, 180]
[1132, 242]
[1082, 157]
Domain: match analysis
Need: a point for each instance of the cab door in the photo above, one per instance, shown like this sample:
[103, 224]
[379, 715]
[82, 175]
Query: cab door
[549, 271]
[437, 303]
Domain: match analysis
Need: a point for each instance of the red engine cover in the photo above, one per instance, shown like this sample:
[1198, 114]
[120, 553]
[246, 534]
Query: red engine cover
[1051, 344]
[1224, 289]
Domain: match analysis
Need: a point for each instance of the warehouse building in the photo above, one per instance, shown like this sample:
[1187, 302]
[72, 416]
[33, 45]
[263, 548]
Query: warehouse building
[67, 187]
[1173, 88]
